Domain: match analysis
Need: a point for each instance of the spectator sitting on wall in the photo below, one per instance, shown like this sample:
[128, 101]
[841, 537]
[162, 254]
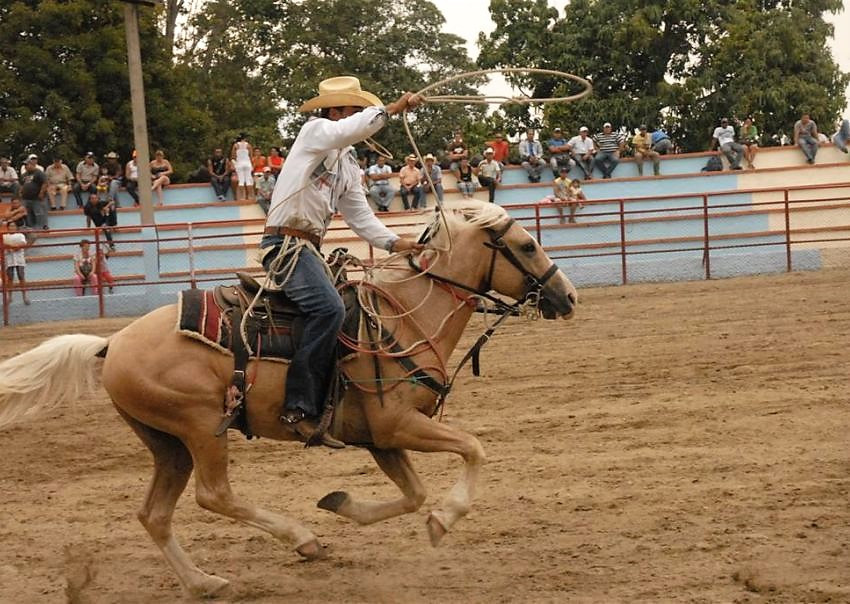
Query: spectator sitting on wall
[380, 190]
[465, 178]
[842, 135]
[31, 157]
[748, 135]
[724, 138]
[161, 172]
[456, 150]
[609, 145]
[501, 148]
[8, 178]
[59, 179]
[409, 184]
[531, 154]
[131, 178]
[85, 269]
[14, 243]
[642, 143]
[116, 176]
[806, 137]
[489, 173]
[436, 173]
[219, 168]
[661, 143]
[559, 152]
[87, 174]
[265, 187]
[582, 150]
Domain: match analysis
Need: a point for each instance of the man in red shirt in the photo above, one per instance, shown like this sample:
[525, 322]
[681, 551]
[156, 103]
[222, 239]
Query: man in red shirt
[501, 148]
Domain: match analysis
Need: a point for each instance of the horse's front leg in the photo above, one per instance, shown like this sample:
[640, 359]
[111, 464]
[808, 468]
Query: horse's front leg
[417, 432]
[395, 464]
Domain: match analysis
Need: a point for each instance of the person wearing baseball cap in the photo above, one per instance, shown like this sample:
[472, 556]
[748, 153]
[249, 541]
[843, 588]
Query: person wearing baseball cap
[582, 149]
[320, 177]
[265, 187]
[489, 173]
[610, 145]
[642, 144]
[559, 152]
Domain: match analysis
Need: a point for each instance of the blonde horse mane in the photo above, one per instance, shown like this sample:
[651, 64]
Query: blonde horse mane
[467, 213]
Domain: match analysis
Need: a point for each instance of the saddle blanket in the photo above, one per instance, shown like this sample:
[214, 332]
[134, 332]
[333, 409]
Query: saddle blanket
[200, 317]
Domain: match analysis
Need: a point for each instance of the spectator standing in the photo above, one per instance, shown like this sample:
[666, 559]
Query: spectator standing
[501, 148]
[219, 168]
[265, 187]
[456, 150]
[33, 189]
[8, 178]
[489, 173]
[87, 173]
[241, 153]
[380, 190]
[609, 145]
[842, 135]
[59, 180]
[531, 154]
[161, 172]
[116, 176]
[275, 161]
[661, 143]
[85, 269]
[806, 137]
[14, 243]
[431, 168]
[463, 174]
[559, 152]
[748, 134]
[582, 150]
[131, 178]
[409, 178]
[16, 213]
[642, 143]
[724, 137]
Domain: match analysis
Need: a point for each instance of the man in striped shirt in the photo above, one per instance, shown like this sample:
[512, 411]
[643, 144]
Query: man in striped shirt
[609, 144]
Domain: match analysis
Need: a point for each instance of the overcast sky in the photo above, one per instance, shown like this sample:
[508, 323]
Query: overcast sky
[469, 17]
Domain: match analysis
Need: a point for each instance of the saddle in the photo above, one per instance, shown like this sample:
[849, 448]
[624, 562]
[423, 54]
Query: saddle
[234, 320]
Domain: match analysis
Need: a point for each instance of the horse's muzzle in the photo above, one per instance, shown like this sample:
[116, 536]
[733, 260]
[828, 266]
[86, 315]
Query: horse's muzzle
[555, 307]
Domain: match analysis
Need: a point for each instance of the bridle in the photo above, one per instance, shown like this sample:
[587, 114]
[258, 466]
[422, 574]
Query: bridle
[533, 284]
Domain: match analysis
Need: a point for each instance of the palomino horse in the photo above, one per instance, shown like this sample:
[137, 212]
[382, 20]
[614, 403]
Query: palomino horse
[169, 388]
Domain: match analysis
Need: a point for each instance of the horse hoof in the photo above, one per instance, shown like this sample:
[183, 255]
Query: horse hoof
[332, 501]
[210, 587]
[436, 531]
[312, 550]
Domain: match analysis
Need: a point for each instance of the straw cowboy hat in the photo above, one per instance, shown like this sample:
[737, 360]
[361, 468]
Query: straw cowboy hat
[342, 91]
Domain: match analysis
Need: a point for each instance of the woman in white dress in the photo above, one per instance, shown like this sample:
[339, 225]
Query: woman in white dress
[241, 154]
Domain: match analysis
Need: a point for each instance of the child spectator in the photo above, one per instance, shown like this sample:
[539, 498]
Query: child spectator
[106, 277]
[100, 209]
[85, 269]
[14, 243]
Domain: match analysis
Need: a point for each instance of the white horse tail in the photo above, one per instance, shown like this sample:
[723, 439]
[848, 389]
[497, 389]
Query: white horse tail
[62, 368]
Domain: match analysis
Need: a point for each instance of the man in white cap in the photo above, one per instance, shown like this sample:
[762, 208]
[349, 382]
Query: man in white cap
[582, 150]
[489, 173]
[610, 144]
[321, 176]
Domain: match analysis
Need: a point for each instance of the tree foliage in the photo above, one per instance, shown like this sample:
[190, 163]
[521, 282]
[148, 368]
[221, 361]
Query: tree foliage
[678, 64]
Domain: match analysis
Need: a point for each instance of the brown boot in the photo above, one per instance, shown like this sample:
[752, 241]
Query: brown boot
[297, 421]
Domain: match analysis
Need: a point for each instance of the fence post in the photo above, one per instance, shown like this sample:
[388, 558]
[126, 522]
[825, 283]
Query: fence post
[537, 223]
[623, 241]
[706, 251]
[3, 280]
[98, 274]
[193, 283]
[787, 232]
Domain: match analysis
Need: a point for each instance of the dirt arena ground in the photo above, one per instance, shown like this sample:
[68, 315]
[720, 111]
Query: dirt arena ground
[674, 443]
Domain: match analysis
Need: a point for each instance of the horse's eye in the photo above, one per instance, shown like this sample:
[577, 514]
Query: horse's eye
[528, 248]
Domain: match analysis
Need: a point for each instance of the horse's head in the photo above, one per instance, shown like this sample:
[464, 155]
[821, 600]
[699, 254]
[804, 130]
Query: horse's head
[490, 251]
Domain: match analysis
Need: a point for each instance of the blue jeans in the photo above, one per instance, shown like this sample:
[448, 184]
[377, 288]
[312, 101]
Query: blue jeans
[418, 196]
[606, 161]
[36, 213]
[311, 370]
[382, 194]
[841, 137]
[809, 145]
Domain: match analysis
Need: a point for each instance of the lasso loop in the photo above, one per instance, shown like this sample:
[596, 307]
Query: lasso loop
[487, 100]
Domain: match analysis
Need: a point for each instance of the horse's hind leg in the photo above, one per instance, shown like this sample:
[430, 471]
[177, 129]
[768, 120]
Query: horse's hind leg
[172, 468]
[396, 464]
[213, 493]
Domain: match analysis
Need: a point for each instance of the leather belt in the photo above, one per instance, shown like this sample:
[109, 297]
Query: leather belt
[298, 234]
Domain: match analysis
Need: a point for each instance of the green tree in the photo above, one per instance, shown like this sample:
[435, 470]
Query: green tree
[678, 64]
[291, 46]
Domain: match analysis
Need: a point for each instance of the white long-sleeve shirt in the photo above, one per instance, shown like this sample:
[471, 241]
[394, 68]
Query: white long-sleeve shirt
[320, 176]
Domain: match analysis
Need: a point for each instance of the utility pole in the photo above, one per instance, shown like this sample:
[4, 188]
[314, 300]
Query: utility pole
[137, 101]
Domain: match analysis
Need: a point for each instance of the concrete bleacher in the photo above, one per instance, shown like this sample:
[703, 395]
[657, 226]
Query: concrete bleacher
[664, 229]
